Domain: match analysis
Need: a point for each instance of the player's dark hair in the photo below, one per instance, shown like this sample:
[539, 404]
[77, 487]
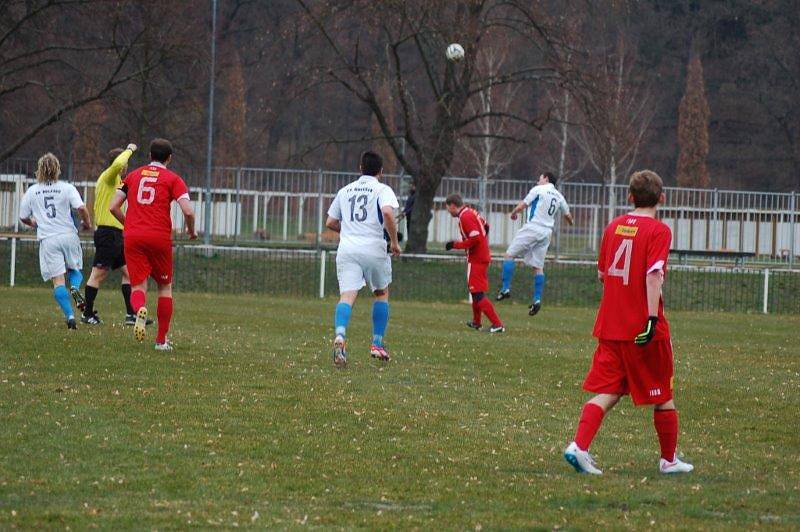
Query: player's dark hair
[454, 199]
[113, 154]
[646, 187]
[551, 177]
[371, 163]
[160, 150]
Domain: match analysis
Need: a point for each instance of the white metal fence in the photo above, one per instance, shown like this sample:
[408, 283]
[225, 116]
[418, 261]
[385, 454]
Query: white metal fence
[289, 206]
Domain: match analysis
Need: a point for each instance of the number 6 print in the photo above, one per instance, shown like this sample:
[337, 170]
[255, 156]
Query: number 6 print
[144, 189]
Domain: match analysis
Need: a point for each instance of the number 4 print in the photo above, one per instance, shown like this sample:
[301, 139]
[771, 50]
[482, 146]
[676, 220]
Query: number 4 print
[626, 248]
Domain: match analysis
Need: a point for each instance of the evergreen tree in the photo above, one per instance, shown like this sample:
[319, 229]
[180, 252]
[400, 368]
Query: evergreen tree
[693, 116]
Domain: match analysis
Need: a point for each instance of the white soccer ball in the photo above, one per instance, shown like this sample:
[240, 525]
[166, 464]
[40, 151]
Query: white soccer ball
[455, 52]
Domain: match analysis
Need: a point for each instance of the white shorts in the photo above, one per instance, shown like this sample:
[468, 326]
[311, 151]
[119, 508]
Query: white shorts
[59, 253]
[356, 271]
[531, 244]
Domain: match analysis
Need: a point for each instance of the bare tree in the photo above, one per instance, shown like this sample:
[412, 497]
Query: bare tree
[430, 94]
[616, 111]
[693, 116]
[57, 56]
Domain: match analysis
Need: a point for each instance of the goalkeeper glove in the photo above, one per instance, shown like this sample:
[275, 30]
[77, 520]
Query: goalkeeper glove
[649, 331]
[449, 245]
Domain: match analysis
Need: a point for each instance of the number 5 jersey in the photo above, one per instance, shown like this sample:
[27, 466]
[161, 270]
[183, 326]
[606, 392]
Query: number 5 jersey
[51, 204]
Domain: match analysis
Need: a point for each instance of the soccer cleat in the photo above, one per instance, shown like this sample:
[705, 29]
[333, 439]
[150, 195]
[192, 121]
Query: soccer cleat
[503, 294]
[166, 346]
[533, 310]
[494, 329]
[138, 326]
[676, 466]
[339, 352]
[71, 324]
[93, 319]
[473, 325]
[582, 461]
[379, 352]
[130, 319]
[79, 301]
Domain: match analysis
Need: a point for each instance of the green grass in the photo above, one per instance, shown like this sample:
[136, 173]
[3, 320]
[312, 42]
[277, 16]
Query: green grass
[249, 423]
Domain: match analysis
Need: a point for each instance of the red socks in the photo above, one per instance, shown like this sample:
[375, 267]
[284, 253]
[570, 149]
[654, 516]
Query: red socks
[589, 424]
[137, 300]
[486, 306]
[164, 313]
[476, 312]
[666, 422]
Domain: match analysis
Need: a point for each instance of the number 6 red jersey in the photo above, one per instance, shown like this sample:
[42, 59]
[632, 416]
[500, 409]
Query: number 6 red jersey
[150, 190]
[632, 247]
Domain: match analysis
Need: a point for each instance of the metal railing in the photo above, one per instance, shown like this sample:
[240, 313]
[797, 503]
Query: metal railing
[272, 205]
[312, 273]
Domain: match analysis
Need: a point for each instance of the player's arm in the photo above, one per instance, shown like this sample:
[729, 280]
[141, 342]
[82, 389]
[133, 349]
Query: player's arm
[521, 206]
[390, 224]
[472, 230]
[86, 220]
[116, 204]
[26, 213]
[334, 224]
[568, 217]
[188, 215]
[657, 254]
[110, 174]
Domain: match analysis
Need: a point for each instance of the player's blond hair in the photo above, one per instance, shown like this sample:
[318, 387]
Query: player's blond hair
[48, 169]
[646, 187]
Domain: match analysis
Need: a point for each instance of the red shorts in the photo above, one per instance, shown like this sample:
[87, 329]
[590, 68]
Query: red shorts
[644, 372]
[148, 257]
[478, 277]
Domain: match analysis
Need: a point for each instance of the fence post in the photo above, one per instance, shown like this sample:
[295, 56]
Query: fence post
[319, 208]
[765, 308]
[237, 213]
[17, 200]
[792, 222]
[322, 259]
[285, 217]
[714, 243]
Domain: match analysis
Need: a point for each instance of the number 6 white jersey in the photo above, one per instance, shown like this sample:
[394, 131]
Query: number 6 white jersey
[51, 204]
[358, 207]
[545, 201]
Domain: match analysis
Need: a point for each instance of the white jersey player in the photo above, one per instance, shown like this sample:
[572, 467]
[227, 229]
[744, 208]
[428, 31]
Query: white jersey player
[359, 213]
[47, 207]
[544, 202]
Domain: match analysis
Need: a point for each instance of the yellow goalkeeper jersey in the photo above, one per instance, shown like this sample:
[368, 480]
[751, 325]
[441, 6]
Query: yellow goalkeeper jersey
[106, 187]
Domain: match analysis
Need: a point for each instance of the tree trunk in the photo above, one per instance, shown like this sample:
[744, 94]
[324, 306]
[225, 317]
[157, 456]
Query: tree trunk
[421, 214]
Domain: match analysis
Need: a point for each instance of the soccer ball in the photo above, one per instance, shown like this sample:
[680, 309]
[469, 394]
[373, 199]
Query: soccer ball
[455, 52]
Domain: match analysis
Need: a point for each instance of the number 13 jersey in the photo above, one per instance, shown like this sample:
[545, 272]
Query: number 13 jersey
[632, 247]
[358, 207]
[150, 190]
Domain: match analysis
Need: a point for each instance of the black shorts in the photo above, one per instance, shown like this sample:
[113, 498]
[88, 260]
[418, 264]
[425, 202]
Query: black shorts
[109, 252]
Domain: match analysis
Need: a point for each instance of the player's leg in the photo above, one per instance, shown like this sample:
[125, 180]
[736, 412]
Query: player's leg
[607, 380]
[509, 265]
[139, 270]
[96, 277]
[164, 313]
[70, 246]
[351, 279]
[475, 323]
[535, 258]
[380, 321]
[125, 289]
[61, 295]
[478, 286]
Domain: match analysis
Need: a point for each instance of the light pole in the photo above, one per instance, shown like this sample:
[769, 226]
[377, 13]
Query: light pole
[210, 150]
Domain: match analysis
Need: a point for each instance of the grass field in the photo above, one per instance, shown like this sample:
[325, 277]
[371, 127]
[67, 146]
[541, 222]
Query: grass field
[248, 423]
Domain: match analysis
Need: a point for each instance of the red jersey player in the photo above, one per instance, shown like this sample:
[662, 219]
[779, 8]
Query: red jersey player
[476, 244]
[149, 191]
[634, 351]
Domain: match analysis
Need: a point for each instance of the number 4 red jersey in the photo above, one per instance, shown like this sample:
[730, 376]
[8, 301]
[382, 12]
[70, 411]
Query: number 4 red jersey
[632, 247]
[150, 191]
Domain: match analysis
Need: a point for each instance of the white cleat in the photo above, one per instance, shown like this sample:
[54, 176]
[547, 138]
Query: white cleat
[676, 466]
[339, 352]
[166, 346]
[139, 324]
[582, 461]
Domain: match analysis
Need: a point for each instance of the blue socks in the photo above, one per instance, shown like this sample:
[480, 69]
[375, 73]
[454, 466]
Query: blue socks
[341, 318]
[380, 319]
[61, 295]
[538, 286]
[508, 273]
[75, 278]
